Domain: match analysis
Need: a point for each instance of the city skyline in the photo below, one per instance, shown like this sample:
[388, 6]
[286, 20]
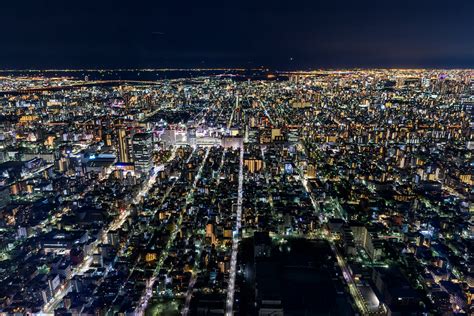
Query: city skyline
[134, 193]
[237, 158]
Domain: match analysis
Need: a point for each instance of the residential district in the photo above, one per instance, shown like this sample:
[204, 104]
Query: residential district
[297, 193]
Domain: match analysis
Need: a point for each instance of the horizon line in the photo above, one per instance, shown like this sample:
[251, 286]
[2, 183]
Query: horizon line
[233, 69]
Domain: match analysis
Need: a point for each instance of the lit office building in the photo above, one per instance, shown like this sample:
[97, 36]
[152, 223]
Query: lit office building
[123, 146]
[142, 145]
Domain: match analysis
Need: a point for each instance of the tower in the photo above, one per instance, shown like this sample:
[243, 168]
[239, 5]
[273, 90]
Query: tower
[122, 146]
[142, 145]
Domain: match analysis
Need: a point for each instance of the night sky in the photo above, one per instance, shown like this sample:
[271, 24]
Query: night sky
[293, 34]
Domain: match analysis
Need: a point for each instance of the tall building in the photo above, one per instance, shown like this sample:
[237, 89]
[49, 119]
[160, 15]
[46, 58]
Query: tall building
[253, 164]
[142, 145]
[191, 136]
[311, 171]
[108, 140]
[123, 146]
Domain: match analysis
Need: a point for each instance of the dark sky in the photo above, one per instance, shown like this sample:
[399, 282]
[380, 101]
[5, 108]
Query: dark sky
[292, 34]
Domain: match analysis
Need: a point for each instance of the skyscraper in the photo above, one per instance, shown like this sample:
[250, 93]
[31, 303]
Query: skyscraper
[123, 146]
[142, 146]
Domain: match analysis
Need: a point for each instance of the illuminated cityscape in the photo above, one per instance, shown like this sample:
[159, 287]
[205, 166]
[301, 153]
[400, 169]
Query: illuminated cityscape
[239, 193]
[237, 158]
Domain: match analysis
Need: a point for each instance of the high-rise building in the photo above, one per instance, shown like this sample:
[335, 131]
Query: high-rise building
[311, 171]
[276, 133]
[142, 145]
[191, 136]
[253, 164]
[108, 140]
[123, 146]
